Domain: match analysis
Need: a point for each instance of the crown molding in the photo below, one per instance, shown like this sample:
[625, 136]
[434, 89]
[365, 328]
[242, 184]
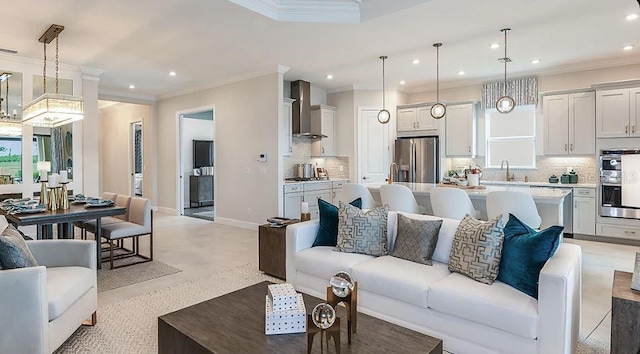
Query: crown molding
[16, 59]
[90, 73]
[224, 82]
[121, 96]
[304, 10]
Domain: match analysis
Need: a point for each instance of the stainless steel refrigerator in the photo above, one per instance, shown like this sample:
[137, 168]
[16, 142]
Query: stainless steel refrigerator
[418, 160]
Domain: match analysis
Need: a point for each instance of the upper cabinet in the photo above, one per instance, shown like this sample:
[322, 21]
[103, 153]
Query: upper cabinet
[286, 136]
[323, 120]
[460, 122]
[617, 113]
[569, 124]
[417, 118]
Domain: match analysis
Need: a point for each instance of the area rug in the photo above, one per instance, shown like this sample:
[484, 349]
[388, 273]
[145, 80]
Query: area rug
[205, 214]
[131, 326]
[112, 279]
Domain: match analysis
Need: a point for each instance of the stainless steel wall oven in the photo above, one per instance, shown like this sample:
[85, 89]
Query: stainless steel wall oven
[612, 178]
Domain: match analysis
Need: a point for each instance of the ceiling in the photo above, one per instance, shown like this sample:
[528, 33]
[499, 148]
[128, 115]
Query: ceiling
[211, 42]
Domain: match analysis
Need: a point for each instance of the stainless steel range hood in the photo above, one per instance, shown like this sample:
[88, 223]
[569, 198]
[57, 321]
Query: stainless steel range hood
[301, 115]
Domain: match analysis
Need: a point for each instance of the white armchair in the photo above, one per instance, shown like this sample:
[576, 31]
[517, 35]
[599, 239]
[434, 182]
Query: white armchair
[42, 306]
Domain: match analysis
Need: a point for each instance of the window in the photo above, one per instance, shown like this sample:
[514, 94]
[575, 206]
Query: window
[10, 160]
[511, 137]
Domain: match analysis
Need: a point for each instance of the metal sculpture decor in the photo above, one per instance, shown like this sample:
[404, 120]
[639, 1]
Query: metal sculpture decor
[327, 324]
[343, 289]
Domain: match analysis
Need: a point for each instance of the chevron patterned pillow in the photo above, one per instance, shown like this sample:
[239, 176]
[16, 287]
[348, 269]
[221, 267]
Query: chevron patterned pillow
[477, 248]
[362, 232]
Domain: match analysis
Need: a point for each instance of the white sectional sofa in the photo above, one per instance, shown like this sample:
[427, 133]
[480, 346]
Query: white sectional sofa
[470, 317]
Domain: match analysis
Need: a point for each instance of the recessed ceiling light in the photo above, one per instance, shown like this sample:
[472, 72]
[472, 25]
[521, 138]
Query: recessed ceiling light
[172, 73]
[461, 72]
[631, 17]
[535, 61]
[495, 46]
[402, 82]
[132, 86]
[329, 77]
[415, 61]
[628, 47]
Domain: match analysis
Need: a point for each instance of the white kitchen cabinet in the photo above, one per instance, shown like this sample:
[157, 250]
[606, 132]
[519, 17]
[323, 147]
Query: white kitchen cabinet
[613, 116]
[569, 121]
[286, 136]
[406, 118]
[460, 130]
[292, 204]
[416, 119]
[323, 121]
[584, 211]
[336, 187]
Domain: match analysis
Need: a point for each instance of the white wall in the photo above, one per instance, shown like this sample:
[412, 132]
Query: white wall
[247, 120]
[192, 129]
[116, 150]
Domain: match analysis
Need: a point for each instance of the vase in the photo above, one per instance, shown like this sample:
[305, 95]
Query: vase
[635, 280]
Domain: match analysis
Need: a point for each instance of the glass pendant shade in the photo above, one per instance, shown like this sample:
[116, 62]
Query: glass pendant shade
[505, 104]
[53, 110]
[384, 116]
[438, 110]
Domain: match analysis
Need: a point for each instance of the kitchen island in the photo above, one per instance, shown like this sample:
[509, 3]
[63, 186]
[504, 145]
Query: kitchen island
[549, 201]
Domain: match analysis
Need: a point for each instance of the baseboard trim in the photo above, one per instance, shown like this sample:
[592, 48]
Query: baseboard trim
[237, 223]
[169, 211]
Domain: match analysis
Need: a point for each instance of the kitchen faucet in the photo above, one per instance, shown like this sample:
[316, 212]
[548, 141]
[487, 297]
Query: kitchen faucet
[390, 179]
[508, 176]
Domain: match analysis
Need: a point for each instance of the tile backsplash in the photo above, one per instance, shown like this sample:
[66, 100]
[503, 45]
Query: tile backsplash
[302, 154]
[585, 167]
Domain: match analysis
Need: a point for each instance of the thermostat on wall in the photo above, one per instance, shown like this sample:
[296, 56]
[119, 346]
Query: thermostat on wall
[262, 157]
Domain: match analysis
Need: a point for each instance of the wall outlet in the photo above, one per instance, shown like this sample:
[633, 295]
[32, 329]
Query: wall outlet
[341, 168]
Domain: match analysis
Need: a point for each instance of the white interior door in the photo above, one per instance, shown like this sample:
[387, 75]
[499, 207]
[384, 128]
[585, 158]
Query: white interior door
[373, 148]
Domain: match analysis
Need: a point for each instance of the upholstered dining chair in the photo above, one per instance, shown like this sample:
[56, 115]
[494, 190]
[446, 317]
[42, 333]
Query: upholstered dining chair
[517, 203]
[121, 201]
[400, 198]
[351, 191]
[452, 203]
[82, 224]
[140, 224]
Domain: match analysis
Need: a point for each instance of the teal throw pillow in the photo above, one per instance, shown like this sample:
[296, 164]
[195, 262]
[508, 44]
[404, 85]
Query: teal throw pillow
[328, 231]
[524, 252]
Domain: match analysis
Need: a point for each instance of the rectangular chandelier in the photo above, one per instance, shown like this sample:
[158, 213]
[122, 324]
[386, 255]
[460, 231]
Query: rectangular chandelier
[10, 127]
[52, 110]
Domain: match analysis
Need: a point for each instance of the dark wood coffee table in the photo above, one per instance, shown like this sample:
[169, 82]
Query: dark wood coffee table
[234, 323]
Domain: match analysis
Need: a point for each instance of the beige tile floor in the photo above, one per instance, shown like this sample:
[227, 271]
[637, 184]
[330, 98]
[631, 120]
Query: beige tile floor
[200, 248]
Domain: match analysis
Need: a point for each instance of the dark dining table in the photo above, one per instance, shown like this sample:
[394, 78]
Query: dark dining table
[65, 218]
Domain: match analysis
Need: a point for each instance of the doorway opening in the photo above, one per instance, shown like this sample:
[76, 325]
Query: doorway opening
[136, 159]
[197, 165]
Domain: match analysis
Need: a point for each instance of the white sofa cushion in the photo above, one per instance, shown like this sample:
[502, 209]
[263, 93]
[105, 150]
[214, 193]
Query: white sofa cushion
[498, 305]
[324, 262]
[398, 278]
[445, 237]
[65, 285]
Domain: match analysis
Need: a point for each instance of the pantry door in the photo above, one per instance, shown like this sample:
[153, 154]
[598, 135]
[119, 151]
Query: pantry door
[374, 150]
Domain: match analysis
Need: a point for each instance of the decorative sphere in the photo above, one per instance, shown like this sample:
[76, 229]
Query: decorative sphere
[505, 104]
[341, 284]
[384, 116]
[438, 110]
[323, 315]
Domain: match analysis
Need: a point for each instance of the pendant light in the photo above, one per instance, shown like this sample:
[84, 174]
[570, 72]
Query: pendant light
[383, 116]
[438, 110]
[505, 104]
[52, 109]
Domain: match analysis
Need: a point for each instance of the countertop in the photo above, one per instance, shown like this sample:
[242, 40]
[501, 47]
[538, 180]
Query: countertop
[540, 184]
[318, 181]
[541, 195]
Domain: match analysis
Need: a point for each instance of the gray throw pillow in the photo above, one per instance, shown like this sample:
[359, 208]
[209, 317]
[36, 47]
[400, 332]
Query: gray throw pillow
[361, 231]
[477, 248]
[416, 239]
[14, 252]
